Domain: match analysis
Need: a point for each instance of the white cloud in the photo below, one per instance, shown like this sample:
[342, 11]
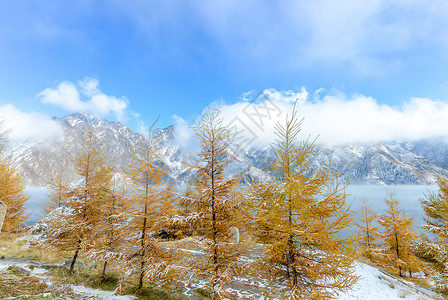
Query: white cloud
[65, 96]
[141, 126]
[336, 118]
[182, 130]
[185, 136]
[25, 126]
[85, 97]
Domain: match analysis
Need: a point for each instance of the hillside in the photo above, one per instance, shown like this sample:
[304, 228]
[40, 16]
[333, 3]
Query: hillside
[25, 278]
[396, 162]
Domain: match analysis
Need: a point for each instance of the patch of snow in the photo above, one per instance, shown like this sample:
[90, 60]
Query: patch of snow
[81, 290]
[98, 294]
[374, 284]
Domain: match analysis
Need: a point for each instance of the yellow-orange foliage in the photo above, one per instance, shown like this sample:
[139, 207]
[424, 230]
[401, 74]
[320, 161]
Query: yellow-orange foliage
[299, 216]
[108, 241]
[152, 204]
[59, 188]
[398, 235]
[12, 193]
[71, 228]
[435, 205]
[213, 207]
[367, 231]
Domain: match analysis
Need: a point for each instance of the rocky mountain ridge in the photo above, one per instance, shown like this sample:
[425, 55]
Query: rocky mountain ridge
[376, 163]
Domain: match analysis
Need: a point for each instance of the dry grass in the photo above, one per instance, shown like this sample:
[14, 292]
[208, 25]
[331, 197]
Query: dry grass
[14, 282]
[15, 245]
[17, 282]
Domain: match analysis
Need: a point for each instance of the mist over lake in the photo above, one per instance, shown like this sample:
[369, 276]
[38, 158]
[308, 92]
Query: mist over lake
[37, 198]
[408, 195]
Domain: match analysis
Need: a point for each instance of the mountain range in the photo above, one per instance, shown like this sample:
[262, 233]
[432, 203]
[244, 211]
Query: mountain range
[392, 162]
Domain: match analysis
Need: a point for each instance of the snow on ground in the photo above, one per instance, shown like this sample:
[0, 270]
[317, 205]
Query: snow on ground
[98, 294]
[374, 284]
[38, 271]
[24, 264]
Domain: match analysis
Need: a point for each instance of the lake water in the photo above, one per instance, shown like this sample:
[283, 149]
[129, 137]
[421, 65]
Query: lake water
[37, 196]
[408, 195]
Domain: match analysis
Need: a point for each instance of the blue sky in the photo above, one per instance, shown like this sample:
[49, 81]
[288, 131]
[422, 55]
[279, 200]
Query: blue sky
[140, 59]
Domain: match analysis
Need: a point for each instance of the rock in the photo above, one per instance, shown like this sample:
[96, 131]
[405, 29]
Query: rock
[234, 235]
[79, 265]
[2, 214]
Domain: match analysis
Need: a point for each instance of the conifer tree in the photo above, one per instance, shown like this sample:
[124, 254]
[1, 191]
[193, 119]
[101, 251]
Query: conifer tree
[59, 188]
[367, 232]
[398, 235]
[435, 205]
[71, 228]
[214, 207]
[187, 212]
[108, 242]
[191, 192]
[12, 194]
[299, 216]
[152, 200]
[12, 188]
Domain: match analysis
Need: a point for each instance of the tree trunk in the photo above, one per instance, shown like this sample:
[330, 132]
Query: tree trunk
[397, 249]
[142, 241]
[214, 233]
[140, 280]
[104, 269]
[74, 261]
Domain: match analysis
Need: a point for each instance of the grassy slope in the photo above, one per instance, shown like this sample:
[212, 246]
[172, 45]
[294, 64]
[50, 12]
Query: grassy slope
[24, 282]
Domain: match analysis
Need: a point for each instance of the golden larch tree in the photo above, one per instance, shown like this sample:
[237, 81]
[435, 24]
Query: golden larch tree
[152, 205]
[367, 231]
[12, 188]
[214, 206]
[71, 227]
[59, 188]
[108, 241]
[12, 194]
[435, 205]
[299, 216]
[398, 235]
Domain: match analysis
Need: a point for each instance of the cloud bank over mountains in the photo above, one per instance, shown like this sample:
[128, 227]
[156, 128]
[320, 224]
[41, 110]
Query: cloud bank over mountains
[84, 96]
[334, 117]
[28, 125]
[87, 97]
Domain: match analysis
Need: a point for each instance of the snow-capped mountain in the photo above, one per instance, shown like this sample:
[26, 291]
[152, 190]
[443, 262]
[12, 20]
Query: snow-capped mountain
[378, 163]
